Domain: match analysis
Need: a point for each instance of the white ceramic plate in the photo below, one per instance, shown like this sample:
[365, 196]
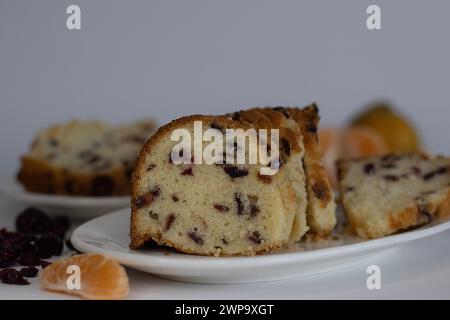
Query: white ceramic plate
[109, 234]
[75, 207]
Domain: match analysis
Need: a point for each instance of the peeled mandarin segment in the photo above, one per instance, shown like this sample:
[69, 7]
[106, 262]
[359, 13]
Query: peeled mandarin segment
[330, 142]
[397, 131]
[100, 277]
[362, 142]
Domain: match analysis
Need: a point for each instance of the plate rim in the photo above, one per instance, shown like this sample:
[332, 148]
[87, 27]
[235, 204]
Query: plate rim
[11, 189]
[174, 259]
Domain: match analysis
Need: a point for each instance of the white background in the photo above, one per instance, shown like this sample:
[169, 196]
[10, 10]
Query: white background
[169, 58]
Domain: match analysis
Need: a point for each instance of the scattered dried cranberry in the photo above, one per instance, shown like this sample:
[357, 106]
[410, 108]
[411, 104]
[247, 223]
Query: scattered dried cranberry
[33, 220]
[45, 264]
[29, 272]
[12, 276]
[169, 221]
[29, 256]
[49, 245]
[60, 225]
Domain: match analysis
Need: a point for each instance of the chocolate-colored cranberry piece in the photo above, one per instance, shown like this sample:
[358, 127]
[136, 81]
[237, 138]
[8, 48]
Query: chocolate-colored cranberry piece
[175, 198]
[102, 186]
[391, 177]
[320, 190]
[45, 264]
[187, 172]
[147, 198]
[255, 237]
[235, 172]
[49, 245]
[221, 207]
[369, 168]
[33, 220]
[29, 256]
[239, 203]
[29, 272]
[416, 170]
[151, 167]
[169, 221]
[434, 173]
[12, 276]
[285, 146]
[195, 237]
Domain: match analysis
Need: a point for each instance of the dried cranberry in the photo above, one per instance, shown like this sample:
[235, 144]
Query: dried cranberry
[169, 221]
[33, 220]
[49, 245]
[235, 172]
[221, 208]
[45, 264]
[60, 225]
[175, 198]
[391, 177]
[239, 203]
[12, 276]
[369, 168]
[255, 237]
[29, 272]
[195, 237]
[29, 256]
[187, 172]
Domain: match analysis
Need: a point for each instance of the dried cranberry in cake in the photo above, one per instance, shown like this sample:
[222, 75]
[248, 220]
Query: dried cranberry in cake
[369, 168]
[255, 237]
[436, 172]
[195, 237]
[187, 172]
[321, 191]
[221, 208]
[264, 178]
[147, 198]
[218, 212]
[169, 221]
[235, 172]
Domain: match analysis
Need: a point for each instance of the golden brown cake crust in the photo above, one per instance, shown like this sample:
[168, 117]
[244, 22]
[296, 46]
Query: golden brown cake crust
[41, 177]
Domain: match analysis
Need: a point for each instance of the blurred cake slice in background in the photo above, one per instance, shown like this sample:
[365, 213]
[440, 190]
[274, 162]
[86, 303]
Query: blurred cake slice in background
[84, 158]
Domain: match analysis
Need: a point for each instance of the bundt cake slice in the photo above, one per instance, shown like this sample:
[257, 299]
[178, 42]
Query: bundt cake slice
[385, 194]
[321, 209]
[212, 209]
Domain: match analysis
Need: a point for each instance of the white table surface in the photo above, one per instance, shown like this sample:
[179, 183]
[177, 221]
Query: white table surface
[418, 270]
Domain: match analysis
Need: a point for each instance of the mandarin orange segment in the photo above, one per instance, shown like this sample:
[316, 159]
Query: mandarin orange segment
[363, 142]
[100, 277]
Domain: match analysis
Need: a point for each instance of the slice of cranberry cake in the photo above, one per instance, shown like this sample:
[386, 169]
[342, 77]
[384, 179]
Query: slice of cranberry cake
[385, 194]
[84, 158]
[214, 209]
